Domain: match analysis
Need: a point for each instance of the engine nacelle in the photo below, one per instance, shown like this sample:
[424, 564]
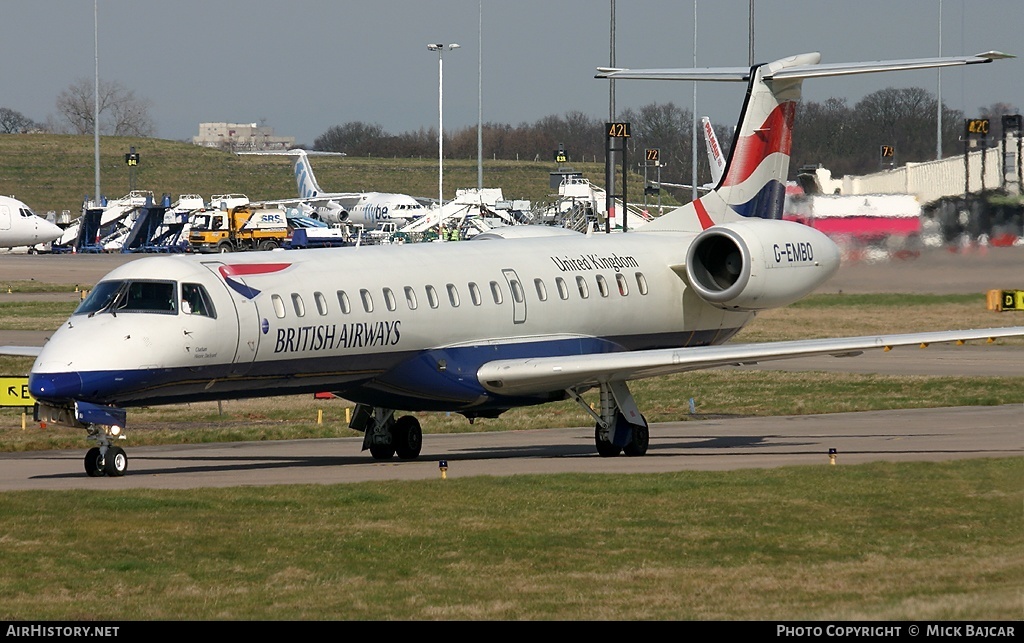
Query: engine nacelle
[757, 264]
[329, 212]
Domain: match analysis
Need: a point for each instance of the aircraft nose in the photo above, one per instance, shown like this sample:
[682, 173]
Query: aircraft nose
[54, 386]
[50, 231]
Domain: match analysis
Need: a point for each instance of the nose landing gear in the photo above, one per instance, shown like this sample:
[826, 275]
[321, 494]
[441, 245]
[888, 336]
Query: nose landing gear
[106, 459]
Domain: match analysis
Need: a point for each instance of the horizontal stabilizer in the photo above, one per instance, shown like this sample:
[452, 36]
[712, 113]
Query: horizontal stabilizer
[742, 74]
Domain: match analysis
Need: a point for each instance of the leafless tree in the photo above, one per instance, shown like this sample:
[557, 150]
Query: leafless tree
[121, 112]
[14, 122]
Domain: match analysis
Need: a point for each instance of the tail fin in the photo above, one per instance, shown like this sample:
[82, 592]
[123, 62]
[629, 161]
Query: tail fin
[754, 179]
[715, 158]
[308, 187]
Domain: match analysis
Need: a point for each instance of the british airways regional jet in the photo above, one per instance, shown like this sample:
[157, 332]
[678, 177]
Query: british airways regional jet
[476, 327]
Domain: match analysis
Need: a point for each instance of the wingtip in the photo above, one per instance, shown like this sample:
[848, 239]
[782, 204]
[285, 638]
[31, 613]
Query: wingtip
[994, 55]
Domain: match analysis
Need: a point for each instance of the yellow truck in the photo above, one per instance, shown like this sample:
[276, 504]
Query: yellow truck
[237, 229]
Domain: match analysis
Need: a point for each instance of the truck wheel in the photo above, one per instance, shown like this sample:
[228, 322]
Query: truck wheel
[268, 245]
[224, 247]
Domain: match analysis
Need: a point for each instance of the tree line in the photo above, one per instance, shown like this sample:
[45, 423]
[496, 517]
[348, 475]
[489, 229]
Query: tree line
[845, 139]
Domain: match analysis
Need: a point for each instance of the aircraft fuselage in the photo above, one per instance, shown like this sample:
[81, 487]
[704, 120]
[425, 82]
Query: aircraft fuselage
[409, 325]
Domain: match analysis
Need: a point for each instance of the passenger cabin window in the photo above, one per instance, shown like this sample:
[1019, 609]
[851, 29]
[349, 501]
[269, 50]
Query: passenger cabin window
[563, 290]
[367, 300]
[321, 303]
[410, 297]
[542, 290]
[641, 283]
[453, 295]
[474, 294]
[300, 308]
[346, 307]
[620, 280]
[581, 284]
[196, 301]
[517, 290]
[278, 305]
[431, 296]
[602, 285]
[496, 292]
[389, 299]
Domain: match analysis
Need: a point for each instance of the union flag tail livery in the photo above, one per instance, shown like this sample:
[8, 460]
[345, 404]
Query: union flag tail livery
[757, 169]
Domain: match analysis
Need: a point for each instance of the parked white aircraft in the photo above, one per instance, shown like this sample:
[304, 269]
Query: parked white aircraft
[716, 160]
[20, 226]
[476, 327]
[715, 157]
[363, 208]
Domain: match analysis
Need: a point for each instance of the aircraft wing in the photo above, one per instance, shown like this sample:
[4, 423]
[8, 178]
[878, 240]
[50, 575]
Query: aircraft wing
[21, 351]
[345, 199]
[535, 375]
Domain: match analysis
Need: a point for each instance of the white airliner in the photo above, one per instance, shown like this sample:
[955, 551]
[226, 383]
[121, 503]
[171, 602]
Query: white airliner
[20, 226]
[368, 209]
[476, 327]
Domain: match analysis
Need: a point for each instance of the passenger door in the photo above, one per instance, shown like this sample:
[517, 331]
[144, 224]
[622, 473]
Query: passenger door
[247, 315]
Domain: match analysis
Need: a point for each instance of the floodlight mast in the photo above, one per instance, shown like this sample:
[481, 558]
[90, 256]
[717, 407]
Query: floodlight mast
[439, 48]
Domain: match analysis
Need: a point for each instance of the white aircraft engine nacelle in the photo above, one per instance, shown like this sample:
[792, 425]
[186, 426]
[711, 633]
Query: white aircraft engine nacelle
[757, 264]
[329, 212]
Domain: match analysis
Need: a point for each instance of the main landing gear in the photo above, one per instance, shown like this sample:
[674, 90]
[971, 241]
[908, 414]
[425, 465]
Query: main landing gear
[386, 436]
[106, 459]
[620, 427]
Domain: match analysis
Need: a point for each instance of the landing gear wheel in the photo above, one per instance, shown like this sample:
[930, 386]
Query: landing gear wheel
[116, 463]
[639, 440]
[605, 449]
[382, 451]
[94, 463]
[407, 437]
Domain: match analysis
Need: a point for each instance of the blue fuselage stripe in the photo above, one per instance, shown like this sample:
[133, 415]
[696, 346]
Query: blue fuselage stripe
[431, 380]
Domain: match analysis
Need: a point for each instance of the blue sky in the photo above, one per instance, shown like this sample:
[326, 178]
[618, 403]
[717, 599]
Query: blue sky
[302, 66]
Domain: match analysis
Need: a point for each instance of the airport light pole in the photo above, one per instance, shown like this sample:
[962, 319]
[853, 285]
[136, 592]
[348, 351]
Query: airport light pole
[439, 48]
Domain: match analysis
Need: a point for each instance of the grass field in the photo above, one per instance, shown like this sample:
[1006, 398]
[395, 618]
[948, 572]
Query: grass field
[55, 172]
[926, 541]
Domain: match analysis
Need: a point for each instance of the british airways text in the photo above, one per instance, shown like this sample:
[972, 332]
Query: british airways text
[325, 337]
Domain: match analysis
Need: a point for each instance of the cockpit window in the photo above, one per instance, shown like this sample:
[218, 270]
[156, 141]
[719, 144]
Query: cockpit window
[196, 301]
[100, 297]
[132, 297]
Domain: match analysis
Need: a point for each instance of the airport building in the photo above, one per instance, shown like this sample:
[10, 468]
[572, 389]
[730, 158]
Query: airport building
[241, 137]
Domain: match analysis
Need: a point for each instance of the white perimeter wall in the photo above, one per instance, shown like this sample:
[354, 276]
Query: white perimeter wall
[947, 177]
